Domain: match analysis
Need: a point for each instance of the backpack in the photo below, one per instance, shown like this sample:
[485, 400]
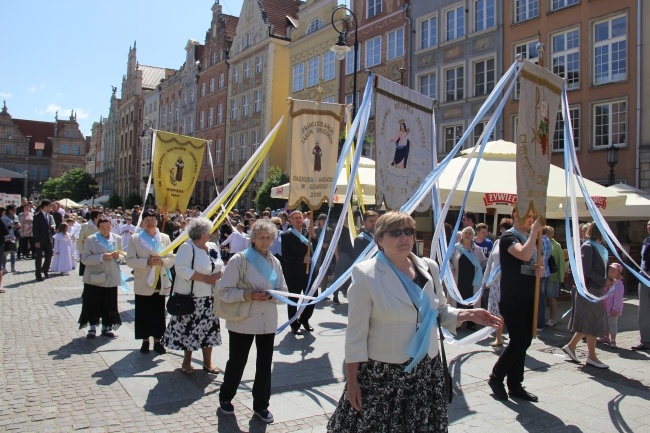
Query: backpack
[552, 265]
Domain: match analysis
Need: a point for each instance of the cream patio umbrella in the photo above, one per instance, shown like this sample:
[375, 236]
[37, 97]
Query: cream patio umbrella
[494, 185]
[66, 202]
[637, 204]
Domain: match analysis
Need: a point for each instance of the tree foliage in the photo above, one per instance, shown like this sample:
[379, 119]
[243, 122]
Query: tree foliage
[132, 200]
[49, 188]
[263, 198]
[114, 201]
[75, 185]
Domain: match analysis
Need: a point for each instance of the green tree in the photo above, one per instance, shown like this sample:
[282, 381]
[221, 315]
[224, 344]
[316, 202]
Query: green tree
[76, 185]
[49, 188]
[263, 198]
[114, 201]
[132, 199]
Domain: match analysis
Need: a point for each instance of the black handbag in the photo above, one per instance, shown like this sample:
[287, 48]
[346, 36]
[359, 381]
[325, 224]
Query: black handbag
[552, 265]
[182, 305]
[449, 388]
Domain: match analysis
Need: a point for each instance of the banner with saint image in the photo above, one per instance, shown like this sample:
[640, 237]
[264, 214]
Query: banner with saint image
[314, 151]
[404, 140]
[540, 92]
[176, 163]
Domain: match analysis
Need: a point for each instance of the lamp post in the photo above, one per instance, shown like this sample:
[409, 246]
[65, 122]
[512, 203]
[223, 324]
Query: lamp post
[341, 49]
[612, 160]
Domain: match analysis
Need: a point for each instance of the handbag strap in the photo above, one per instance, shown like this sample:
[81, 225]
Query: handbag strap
[442, 338]
[192, 266]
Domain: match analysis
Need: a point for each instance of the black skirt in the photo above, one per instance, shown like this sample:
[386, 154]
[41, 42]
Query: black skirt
[99, 303]
[149, 316]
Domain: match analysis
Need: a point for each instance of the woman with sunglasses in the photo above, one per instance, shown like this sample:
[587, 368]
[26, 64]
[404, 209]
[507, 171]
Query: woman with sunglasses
[391, 387]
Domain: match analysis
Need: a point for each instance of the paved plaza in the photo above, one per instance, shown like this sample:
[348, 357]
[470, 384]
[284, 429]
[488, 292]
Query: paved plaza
[53, 379]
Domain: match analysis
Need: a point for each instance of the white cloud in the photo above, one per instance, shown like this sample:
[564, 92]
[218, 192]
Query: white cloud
[34, 89]
[5, 95]
[51, 109]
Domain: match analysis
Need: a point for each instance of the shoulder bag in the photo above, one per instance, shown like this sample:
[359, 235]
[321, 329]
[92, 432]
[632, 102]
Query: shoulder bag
[235, 311]
[182, 305]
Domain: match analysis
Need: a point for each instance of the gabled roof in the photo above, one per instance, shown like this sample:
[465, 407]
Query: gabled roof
[151, 76]
[231, 25]
[280, 14]
[40, 131]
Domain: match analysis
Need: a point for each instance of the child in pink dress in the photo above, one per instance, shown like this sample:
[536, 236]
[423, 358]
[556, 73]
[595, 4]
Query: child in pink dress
[613, 306]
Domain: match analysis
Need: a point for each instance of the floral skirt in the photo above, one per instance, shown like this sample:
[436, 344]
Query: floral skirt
[194, 331]
[395, 401]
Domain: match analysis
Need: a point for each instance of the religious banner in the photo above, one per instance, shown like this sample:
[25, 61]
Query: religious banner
[404, 140]
[176, 163]
[540, 92]
[314, 151]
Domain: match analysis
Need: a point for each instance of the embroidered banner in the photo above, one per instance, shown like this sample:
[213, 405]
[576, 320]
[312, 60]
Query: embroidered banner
[314, 151]
[404, 137]
[540, 91]
[176, 163]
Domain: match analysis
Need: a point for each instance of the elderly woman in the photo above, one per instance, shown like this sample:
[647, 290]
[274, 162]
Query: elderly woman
[198, 268]
[390, 387]
[467, 264]
[245, 282]
[587, 319]
[101, 256]
[152, 280]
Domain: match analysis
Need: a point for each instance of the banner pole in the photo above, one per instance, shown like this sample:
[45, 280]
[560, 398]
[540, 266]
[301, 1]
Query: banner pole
[537, 283]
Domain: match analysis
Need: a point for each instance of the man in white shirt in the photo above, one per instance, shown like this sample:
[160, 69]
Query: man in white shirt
[238, 240]
[126, 230]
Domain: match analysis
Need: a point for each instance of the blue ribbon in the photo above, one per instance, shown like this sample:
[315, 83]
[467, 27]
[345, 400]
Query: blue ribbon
[110, 247]
[154, 246]
[602, 251]
[478, 270]
[299, 235]
[419, 346]
[261, 265]
[366, 236]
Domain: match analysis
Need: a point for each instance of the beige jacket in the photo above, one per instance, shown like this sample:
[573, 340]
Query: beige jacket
[86, 230]
[96, 266]
[381, 317]
[136, 258]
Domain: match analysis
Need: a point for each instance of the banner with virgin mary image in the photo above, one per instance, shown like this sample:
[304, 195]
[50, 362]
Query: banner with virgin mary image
[176, 163]
[404, 141]
[314, 150]
[540, 91]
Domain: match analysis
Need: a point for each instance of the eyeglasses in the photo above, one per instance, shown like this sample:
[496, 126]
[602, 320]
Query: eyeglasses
[399, 232]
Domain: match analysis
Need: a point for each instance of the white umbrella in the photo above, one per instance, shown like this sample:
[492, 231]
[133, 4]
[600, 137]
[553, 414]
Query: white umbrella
[66, 202]
[637, 204]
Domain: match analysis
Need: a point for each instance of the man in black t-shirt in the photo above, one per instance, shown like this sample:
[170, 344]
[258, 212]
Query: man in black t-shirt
[516, 305]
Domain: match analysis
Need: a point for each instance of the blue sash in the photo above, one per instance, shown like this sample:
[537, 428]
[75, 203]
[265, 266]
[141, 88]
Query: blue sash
[261, 265]
[523, 238]
[155, 246]
[299, 235]
[478, 270]
[366, 236]
[602, 251]
[419, 346]
[110, 247]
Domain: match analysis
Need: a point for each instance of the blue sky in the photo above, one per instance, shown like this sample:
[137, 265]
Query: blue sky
[66, 54]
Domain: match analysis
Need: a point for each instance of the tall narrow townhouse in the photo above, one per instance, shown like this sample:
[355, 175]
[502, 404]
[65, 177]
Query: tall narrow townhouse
[258, 87]
[150, 123]
[68, 146]
[212, 102]
[106, 155]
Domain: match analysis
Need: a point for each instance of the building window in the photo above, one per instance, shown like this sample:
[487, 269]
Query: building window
[176, 104]
[558, 137]
[192, 95]
[72, 133]
[210, 116]
[219, 114]
[453, 133]
[255, 139]
[10, 135]
[184, 131]
[184, 99]
[483, 77]
[610, 50]
[64, 149]
[428, 85]
[247, 69]
[211, 85]
[373, 8]
[478, 130]
[314, 25]
[456, 23]
[257, 101]
[191, 118]
[217, 151]
[559, 4]
[164, 116]
[395, 44]
[244, 105]
[298, 77]
[235, 74]
[484, 14]
[529, 51]
[258, 64]
[429, 33]
[213, 58]
[313, 71]
[373, 52]
[9, 149]
[455, 83]
[242, 146]
[328, 66]
[349, 61]
[329, 99]
[231, 148]
[566, 57]
[222, 81]
[202, 90]
[233, 109]
[202, 120]
[526, 10]
[610, 126]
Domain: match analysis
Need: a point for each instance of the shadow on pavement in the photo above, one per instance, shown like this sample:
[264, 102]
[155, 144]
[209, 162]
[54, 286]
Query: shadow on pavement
[613, 407]
[534, 419]
[617, 381]
[291, 343]
[129, 366]
[68, 302]
[78, 346]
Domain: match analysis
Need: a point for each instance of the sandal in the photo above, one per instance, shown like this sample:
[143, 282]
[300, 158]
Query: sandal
[189, 370]
[603, 340]
[213, 370]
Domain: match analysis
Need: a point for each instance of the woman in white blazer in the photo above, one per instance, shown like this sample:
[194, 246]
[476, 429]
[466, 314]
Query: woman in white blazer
[464, 271]
[150, 291]
[389, 387]
[102, 257]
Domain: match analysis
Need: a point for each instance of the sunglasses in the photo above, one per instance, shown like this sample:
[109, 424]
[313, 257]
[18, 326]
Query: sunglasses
[399, 232]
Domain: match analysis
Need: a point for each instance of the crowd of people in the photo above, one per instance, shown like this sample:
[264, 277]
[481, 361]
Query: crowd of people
[395, 376]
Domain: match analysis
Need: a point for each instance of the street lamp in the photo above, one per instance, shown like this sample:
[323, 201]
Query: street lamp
[341, 49]
[612, 160]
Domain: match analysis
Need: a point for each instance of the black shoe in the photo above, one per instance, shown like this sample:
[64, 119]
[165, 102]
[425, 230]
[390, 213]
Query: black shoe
[307, 326]
[46, 275]
[498, 389]
[641, 346]
[226, 407]
[108, 333]
[296, 331]
[91, 334]
[145, 347]
[159, 348]
[265, 416]
[39, 278]
[523, 394]
[336, 301]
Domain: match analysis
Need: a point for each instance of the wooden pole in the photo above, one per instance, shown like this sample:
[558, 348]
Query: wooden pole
[537, 282]
[309, 241]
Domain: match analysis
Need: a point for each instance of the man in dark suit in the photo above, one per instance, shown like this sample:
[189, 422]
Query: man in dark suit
[43, 229]
[295, 264]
